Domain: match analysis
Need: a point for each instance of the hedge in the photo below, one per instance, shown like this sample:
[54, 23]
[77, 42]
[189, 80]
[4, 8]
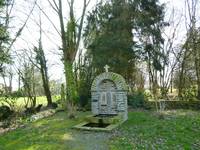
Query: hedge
[194, 105]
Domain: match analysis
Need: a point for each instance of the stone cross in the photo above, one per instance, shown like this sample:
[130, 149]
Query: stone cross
[106, 68]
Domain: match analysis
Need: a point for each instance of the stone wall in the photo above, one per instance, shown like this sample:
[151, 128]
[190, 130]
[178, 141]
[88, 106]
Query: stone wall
[115, 87]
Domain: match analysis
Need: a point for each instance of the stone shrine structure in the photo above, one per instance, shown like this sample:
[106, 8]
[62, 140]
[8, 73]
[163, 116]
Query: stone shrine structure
[109, 95]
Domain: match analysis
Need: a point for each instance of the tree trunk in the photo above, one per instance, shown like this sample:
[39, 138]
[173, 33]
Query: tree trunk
[70, 82]
[181, 78]
[5, 84]
[43, 69]
[197, 67]
[19, 81]
[171, 84]
[46, 87]
[10, 82]
[70, 45]
[198, 89]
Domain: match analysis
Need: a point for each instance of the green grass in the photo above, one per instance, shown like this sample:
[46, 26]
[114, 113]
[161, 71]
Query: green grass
[47, 134]
[143, 130]
[40, 100]
[20, 102]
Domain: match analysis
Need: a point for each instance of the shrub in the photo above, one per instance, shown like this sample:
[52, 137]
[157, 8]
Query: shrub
[8, 101]
[17, 94]
[83, 100]
[148, 95]
[194, 105]
[190, 93]
[5, 112]
[137, 100]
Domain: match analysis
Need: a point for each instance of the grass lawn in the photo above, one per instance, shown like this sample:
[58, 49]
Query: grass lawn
[40, 100]
[20, 102]
[180, 130]
[143, 130]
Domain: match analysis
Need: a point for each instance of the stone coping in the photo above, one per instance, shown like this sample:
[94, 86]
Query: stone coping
[106, 129]
[113, 122]
[116, 78]
[107, 120]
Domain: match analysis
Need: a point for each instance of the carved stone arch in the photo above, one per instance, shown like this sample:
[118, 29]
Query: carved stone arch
[116, 78]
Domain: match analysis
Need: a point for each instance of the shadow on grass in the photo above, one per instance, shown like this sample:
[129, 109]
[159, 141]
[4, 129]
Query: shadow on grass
[53, 133]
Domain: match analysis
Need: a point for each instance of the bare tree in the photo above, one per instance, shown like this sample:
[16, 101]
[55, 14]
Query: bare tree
[41, 60]
[172, 52]
[193, 38]
[70, 43]
[6, 48]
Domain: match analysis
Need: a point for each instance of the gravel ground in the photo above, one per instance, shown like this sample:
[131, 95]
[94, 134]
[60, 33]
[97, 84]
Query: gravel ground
[88, 140]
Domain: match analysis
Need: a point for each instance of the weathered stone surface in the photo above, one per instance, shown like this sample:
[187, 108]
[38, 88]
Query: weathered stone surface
[109, 94]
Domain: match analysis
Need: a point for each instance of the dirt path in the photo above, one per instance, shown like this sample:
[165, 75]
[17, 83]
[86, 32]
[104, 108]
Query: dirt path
[88, 140]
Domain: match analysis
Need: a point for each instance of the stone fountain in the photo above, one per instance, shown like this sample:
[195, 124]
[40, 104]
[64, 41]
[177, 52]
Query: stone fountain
[108, 102]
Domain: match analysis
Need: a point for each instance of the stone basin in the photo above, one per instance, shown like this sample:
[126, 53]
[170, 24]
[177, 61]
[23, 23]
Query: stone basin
[100, 122]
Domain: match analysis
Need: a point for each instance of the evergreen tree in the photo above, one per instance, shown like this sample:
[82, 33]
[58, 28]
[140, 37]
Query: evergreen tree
[111, 28]
[108, 36]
